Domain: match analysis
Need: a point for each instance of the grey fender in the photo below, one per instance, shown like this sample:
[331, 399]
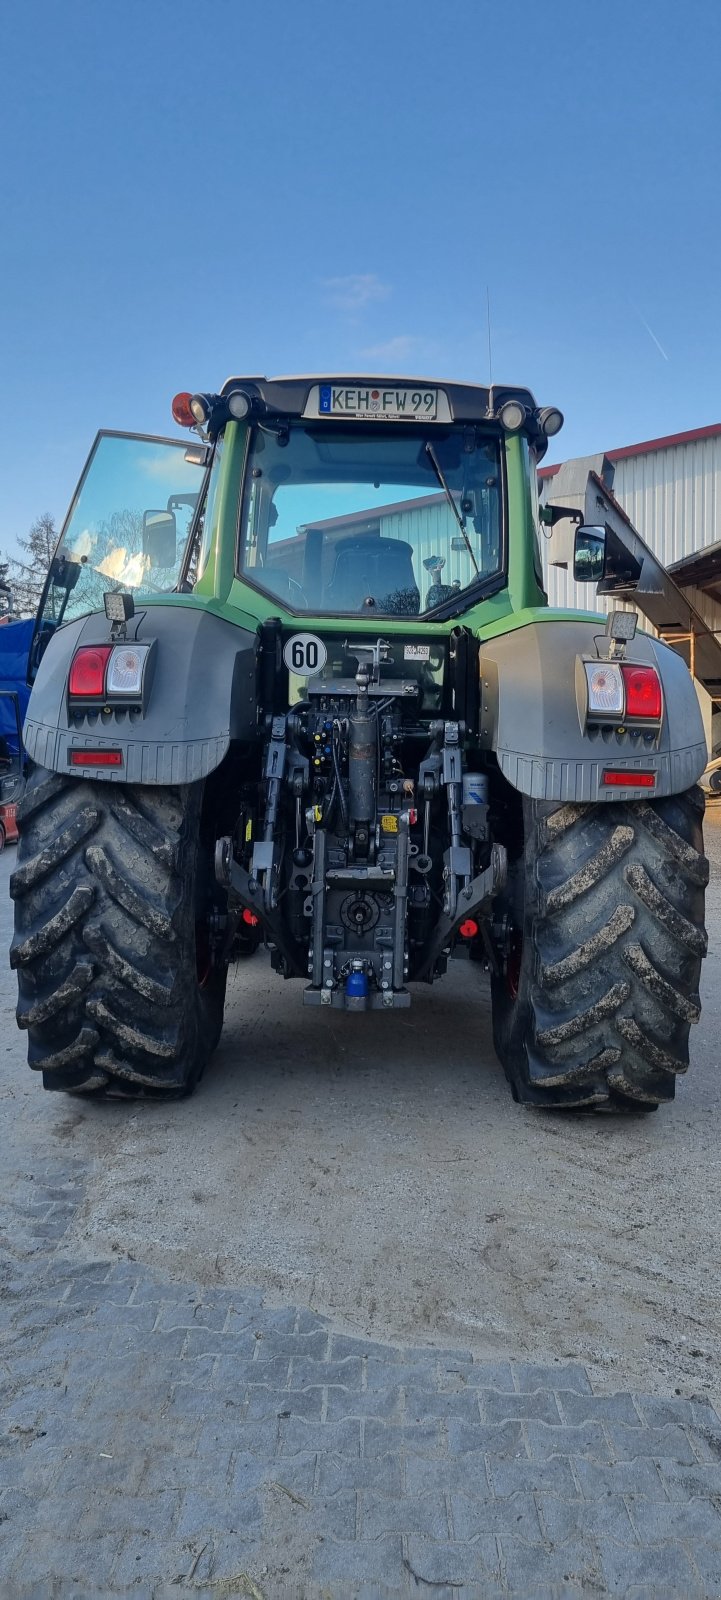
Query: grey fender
[202, 694]
[532, 716]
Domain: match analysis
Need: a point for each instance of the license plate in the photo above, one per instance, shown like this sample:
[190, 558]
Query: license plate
[391, 405]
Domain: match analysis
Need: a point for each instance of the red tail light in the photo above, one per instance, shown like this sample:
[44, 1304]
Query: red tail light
[250, 917]
[87, 671]
[643, 692]
[468, 929]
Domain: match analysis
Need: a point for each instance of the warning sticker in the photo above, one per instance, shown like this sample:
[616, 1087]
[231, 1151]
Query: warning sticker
[416, 652]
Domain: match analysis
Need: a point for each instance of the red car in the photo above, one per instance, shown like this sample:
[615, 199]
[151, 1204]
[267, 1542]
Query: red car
[11, 781]
[8, 823]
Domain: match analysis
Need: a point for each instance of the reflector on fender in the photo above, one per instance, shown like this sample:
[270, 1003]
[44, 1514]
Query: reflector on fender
[87, 671]
[80, 757]
[614, 778]
[643, 692]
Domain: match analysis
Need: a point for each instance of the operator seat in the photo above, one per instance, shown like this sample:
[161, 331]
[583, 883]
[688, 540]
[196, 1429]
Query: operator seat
[374, 566]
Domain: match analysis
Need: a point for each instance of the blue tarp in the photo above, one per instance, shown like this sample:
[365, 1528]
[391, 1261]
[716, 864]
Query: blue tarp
[15, 640]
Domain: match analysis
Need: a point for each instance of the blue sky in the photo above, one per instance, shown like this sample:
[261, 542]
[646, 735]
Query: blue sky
[192, 190]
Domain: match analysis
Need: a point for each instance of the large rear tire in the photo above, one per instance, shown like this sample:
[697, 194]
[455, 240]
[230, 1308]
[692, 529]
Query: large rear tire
[604, 914]
[114, 899]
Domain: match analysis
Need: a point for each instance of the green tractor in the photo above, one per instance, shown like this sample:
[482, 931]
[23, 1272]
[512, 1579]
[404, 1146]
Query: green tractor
[296, 683]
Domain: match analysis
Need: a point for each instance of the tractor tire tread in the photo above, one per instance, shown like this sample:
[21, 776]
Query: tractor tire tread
[613, 940]
[104, 942]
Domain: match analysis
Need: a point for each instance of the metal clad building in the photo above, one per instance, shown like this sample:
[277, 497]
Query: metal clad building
[671, 490]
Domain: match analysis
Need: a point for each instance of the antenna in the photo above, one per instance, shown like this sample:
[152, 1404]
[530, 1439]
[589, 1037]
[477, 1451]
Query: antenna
[488, 322]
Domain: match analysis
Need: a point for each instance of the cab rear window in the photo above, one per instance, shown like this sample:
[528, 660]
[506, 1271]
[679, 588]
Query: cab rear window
[373, 520]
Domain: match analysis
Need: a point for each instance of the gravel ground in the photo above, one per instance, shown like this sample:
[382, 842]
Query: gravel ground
[365, 1190]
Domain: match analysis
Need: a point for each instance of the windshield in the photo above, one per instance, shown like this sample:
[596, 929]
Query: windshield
[361, 520]
[128, 525]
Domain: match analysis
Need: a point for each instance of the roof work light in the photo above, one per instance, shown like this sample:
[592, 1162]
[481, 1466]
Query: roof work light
[238, 404]
[551, 420]
[512, 415]
[200, 408]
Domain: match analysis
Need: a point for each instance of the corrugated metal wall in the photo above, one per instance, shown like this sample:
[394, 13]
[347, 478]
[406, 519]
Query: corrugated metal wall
[673, 497]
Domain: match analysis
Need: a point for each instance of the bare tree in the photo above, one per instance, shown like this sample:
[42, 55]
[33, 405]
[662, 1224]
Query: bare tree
[25, 579]
[114, 559]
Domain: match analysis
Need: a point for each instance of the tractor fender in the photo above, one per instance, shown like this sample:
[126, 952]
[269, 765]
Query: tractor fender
[533, 716]
[202, 695]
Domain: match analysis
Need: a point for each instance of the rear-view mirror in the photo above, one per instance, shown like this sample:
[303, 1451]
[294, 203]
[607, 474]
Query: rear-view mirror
[64, 574]
[589, 554]
[160, 539]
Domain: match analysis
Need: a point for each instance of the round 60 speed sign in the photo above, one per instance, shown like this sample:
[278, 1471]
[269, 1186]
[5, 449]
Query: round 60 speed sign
[305, 653]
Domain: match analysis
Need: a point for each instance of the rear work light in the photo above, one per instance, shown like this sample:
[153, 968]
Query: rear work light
[643, 692]
[95, 758]
[614, 778]
[87, 671]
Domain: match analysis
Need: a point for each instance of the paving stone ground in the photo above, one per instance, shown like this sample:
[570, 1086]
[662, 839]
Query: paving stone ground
[162, 1439]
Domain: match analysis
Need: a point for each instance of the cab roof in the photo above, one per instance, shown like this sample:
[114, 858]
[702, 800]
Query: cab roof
[468, 402]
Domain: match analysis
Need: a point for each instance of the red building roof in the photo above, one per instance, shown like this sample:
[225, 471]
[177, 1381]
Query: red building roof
[712, 431]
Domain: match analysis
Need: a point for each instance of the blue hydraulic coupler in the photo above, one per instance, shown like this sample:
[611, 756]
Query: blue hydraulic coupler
[356, 991]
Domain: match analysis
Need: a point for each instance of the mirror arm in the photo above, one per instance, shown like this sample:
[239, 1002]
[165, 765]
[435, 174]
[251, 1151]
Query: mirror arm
[551, 514]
